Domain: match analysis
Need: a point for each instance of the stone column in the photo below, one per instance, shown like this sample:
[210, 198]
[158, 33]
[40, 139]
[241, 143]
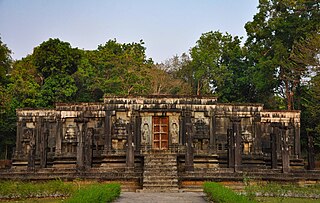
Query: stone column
[189, 135]
[212, 142]
[89, 134]
[274, 156]
[136, 130]
[275, 133]
[18, 139]
[32, 152]
[311, 154]
[59, 135]
[80, 146]
[231, 145]
[107, 131]
[236, 128]
[297, 146]
[44, 144]
[257, 135]
[130, 148]
[285, 149]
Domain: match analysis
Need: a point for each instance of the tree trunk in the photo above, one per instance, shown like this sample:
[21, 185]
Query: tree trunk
[288, 95]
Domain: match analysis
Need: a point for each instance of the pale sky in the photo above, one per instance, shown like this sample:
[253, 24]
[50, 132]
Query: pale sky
[168, 27]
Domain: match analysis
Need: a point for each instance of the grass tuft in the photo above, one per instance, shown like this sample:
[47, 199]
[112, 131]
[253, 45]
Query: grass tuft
[96, 193]
[218, 193]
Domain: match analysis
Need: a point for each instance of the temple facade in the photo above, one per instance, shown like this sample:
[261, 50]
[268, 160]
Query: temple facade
[157, 133]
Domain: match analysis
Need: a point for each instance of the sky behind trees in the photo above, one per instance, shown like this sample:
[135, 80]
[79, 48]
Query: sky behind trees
[167, 27]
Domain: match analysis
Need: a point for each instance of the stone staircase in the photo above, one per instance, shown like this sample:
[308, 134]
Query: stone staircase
[160, 173]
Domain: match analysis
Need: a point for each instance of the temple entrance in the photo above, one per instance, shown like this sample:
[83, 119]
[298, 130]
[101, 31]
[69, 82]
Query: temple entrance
[160, 132]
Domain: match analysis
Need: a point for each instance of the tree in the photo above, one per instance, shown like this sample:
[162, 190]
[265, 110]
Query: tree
[56, 57]
[274, 35]
[7, 116]
[121, 69]
[218, 67]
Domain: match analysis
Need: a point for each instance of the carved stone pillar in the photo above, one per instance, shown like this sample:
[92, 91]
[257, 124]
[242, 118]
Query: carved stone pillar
[274, 155]
[18, 140]
[297, 145]
[80, 146]
[107, 131]
[189, 136]
[59, 135]
[32, 152]
[236, 128]
[257, 135]
[285, 149]
[89, 134]
[212, 142]
[231, 145]
[130, 148]
[136, 130]
[44, 144]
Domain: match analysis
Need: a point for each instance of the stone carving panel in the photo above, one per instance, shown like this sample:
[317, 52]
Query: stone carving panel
[146, 130]
[201, 131]
[174, 129]
[119, 134]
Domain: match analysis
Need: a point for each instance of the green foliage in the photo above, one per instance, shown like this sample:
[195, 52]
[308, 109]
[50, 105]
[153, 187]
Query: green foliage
[96, 193]
[218, 193]
[18, 189]
[56, 57]
[275, 36]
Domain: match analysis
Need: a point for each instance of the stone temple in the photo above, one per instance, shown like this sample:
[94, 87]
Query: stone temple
[157, 142]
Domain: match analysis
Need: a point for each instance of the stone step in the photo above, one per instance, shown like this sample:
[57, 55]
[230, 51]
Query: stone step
[161, 176]
[160, 165]
[171, 181]
[160, 185]
[157, 189]
[160, 168]
[164, 166]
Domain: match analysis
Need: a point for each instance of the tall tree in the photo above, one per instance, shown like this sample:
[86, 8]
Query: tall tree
[7, 116]
[274, 35]
[219, 67]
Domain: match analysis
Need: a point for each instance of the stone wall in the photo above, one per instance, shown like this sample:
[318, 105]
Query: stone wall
[117, 134]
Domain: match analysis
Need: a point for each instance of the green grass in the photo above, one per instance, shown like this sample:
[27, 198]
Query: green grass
[96, 193]
[21, 190]
[283, 190]
[218, 193]
[286, 200]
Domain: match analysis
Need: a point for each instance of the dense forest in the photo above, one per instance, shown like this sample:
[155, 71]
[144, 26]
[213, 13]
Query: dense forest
[277, 65]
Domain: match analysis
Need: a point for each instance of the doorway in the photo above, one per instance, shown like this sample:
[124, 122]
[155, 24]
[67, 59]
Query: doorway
[160, 132]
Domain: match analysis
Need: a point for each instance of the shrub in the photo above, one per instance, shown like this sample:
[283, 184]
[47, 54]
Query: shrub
[218, 193]
[96, 193]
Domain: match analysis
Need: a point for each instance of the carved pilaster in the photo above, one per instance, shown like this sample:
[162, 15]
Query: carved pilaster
[236, 128]
[231, 150]
[130, 148]
[189, 136]
[18, 140]
[274, 137]
[285, 149]
[212, 142]
[107, 131]
[257, 135]
[297, 146]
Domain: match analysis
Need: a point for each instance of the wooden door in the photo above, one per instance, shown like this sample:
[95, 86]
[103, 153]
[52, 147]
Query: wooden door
[160, 132]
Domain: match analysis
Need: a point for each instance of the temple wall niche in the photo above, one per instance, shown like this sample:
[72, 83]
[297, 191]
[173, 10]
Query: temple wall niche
[70, 134]
[174, 129]
[119, 134]
[146, 129]
[201, 131]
